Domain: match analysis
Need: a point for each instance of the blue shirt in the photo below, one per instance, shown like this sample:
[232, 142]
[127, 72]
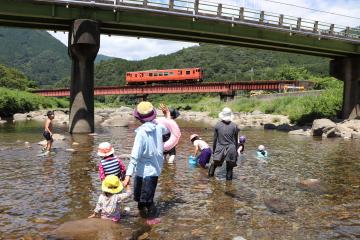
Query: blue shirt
[147, 154]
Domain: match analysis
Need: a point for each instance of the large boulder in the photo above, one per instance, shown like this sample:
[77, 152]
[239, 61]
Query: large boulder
[355, 135]
[343, 131]
[117, 121]
[353, 124]
[319, 125]
[20, 117]
[88, 228]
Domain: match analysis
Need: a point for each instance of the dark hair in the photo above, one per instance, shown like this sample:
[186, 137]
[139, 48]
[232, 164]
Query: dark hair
[49, 113]
[107, 194]
[194, 138]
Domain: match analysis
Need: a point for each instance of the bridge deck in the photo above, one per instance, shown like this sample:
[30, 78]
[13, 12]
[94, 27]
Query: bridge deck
[196, 21]
[215, 87]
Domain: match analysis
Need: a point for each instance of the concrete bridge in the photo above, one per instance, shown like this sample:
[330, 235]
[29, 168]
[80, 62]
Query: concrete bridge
[185, 20]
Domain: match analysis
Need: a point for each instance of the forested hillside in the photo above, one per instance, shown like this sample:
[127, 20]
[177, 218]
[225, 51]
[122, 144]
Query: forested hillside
[220, 63]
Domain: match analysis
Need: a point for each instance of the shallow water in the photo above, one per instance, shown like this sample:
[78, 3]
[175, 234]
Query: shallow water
[38, 194]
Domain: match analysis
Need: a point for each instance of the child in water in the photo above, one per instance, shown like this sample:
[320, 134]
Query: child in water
[201, 145]
[241, 149]
[261, 152]
[109, 163]
[48, 132]
[108, 205]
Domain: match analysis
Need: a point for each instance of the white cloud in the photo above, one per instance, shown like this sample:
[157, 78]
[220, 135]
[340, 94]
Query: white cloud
[135, 49]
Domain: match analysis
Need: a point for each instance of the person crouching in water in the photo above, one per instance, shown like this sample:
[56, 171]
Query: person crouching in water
[48, 132]
[109, 163]
[108, 205]
[146, 160]
[201, 145]
[225, 144]
[261, 152]
[242, 140]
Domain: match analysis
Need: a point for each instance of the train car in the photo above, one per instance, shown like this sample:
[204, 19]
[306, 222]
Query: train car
[165, 76]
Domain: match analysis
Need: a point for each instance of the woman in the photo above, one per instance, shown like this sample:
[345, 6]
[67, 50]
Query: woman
[225, 143]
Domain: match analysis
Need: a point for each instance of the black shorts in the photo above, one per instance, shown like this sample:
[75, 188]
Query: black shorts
[171, 151]
[144, 189]
[47, 136]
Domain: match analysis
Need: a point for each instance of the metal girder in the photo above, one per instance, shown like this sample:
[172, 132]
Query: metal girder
[213, 87]
[172, 27]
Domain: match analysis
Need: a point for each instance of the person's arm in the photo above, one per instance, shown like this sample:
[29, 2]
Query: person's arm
[237, 137]
[215, 139]
[136, 153]
[97, 209]
[122, 167]
[196, 150]
[47, 124]
[165, 110]
[101, 171]
[122, 196]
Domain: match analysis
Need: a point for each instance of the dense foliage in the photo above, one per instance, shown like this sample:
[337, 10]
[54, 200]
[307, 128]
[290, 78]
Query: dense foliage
[12, 78]
[15, 101]
[220, 63]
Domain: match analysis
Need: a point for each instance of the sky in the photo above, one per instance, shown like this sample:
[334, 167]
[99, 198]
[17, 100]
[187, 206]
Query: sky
[131, 48]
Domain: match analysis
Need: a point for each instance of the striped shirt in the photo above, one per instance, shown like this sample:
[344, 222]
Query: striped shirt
[111, 166]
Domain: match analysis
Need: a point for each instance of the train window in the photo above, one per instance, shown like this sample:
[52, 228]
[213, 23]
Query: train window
[150, 74]
[171, 73]
[155, 74]
[135, 75]
[187, 72]
[166, 74]
[179, 72]
[160, 74]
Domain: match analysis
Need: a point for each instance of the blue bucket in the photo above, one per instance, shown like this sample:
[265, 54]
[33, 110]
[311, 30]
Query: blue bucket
[192, 160]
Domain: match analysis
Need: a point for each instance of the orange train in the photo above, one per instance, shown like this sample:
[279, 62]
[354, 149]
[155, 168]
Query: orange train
[165, 76]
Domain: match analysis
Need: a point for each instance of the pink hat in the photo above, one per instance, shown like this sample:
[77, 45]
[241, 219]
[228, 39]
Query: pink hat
[193, 136]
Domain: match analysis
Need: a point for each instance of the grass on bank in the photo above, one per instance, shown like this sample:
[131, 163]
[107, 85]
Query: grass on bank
[16, 101]
[301, 110]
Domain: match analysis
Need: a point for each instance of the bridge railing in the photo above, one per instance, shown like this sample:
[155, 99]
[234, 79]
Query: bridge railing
[233, 14]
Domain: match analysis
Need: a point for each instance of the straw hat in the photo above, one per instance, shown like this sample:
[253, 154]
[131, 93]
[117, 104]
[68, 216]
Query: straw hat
[261, 148]
[145, 112]
[226, 114]
[111, 184]
[105, 149]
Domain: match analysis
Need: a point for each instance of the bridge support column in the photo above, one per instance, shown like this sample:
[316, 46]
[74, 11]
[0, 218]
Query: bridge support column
[84, 43]
[348, 70]
[227, 96]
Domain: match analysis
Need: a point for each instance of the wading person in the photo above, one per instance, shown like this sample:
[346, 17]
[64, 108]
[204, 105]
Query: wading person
[109, 164]
[146, 160]
[225, 144]
[48, 132]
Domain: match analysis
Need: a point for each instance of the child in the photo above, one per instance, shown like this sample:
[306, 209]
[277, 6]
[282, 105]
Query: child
[241, 149]
[261, 152]
[173, 129]
[108, 205]
[48, 132]
[146, 160]
[205, 154]
[109, 164]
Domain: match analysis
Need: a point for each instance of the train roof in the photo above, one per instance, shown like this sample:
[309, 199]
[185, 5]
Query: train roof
[162, 70]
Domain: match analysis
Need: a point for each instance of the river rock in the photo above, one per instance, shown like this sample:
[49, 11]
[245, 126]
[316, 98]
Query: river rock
[355, 135]
[257, 112]
[58, 137]
[117, 121]
[328, 132]
[20, 117]
[312, 185]
[343, 131]
[125, 109]
[98, 119]
[238, 238]
[277, 205]
[2, 122]
[301, 132]
[319, 125]
[88, 228]
[353, 124]
[270, 126]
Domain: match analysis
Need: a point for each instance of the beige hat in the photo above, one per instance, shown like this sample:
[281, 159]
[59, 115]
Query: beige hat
[226, 114]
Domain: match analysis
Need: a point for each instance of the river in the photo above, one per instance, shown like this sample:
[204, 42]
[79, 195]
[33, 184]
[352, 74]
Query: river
[37, 194]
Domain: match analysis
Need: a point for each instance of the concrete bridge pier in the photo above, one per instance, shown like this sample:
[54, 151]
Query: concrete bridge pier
[84, 43]
[226, 97]
[348, 70]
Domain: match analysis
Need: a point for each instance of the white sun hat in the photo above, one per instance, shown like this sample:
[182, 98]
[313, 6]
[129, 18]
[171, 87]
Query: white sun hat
[105, 149]
[226, 114]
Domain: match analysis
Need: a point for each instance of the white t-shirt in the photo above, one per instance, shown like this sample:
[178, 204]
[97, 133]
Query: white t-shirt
[201, 144]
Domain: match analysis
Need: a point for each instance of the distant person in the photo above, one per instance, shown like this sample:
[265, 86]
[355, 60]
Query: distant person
[48, 132]
[202, 147]
[146, 161]
[225, 144]
[261, 151]
[108, 205]
[110, 164]
[242, 140]
[173, 133]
